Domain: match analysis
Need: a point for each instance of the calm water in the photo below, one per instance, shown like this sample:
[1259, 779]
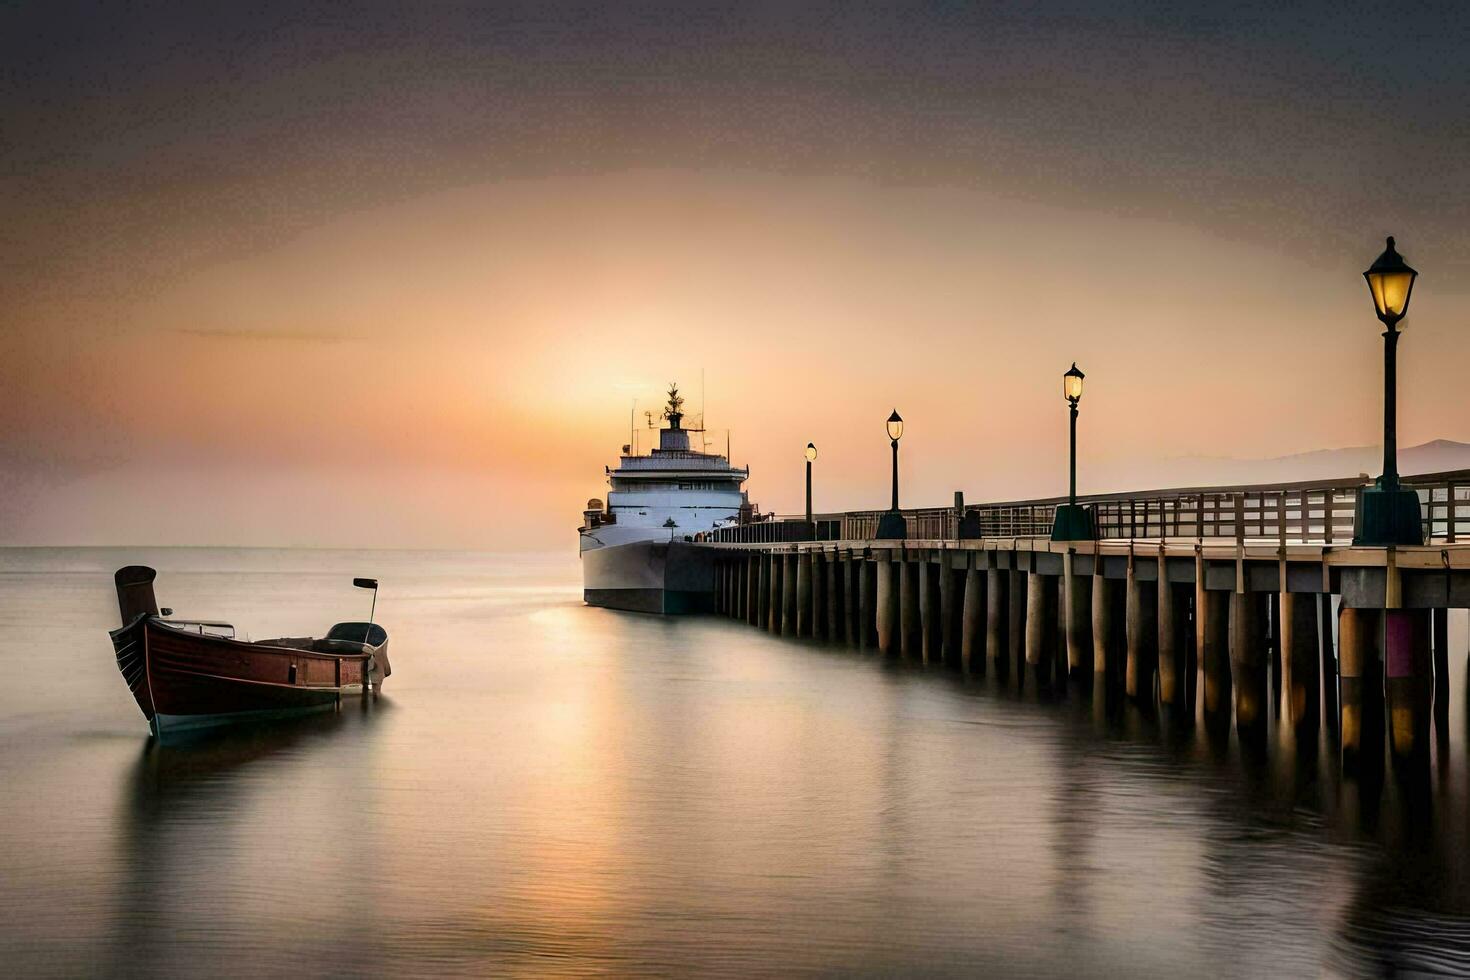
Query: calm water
[550, 789]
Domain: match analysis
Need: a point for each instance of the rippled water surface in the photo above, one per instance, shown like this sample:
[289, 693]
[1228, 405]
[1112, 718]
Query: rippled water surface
[545, 788]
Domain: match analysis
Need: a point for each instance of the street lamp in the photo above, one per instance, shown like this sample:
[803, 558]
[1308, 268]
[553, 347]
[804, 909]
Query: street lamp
[1387, 514]
[811, 455]
[1072, 523]
[891, 525]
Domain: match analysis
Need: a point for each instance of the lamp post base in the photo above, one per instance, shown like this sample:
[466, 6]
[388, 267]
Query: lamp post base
[1073, 523]
[1387, 516]
[892, 527]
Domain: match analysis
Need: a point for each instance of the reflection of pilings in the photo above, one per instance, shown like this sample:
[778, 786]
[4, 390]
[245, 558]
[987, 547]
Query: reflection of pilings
[908, 609]
[1359, 635]
[1077, 594]
[1409, 686]
[1300, 685]
[1041, 625]
[789, 577]
[804, 594]
[1248, 665]
[1143, 637]
[835, 597]
[1016, 625]
[972, 624]
[931, 628]
[887, 606]
[1214, 651]
[997, 606]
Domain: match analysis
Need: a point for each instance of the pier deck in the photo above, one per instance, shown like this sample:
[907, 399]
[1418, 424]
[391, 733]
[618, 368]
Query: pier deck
[1223, 621]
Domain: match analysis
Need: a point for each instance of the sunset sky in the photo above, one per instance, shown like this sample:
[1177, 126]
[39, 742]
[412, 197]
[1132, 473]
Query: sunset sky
[393, 275]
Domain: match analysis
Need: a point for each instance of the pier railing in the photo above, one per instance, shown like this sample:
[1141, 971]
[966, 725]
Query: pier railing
[1314, 511]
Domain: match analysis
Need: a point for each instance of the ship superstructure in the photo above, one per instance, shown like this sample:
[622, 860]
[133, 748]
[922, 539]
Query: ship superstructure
[672, 492]
[631, 552]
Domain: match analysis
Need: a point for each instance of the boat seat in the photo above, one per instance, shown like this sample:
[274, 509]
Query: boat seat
[370, 633]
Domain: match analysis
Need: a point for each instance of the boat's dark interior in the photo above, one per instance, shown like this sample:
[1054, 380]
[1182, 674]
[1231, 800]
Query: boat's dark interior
[370, 633]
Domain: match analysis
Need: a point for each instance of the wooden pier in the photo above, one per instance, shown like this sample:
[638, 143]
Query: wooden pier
[1216, 603]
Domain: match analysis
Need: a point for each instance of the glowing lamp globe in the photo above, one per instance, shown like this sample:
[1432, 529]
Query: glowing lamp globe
[1072, 384]
[1390, 280]
[895, 426]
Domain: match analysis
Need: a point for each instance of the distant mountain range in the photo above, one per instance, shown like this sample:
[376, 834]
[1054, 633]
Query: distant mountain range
[1321, 464]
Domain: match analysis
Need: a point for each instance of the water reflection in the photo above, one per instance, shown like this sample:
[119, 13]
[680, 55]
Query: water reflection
[204, 848]
[554, 789]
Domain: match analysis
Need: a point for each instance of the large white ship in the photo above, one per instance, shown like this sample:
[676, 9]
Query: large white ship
[636, 553]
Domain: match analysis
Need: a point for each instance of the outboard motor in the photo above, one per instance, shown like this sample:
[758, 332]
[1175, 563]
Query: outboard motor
[135, 592]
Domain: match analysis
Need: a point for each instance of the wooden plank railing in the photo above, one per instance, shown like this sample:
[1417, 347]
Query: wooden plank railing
[1318, 512]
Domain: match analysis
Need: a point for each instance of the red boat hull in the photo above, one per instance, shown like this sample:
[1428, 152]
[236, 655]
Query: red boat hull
[183, 679]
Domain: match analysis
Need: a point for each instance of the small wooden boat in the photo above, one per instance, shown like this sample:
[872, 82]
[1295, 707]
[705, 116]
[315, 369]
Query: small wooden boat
[194, 673]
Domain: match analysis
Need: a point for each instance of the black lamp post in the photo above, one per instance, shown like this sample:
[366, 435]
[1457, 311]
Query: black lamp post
[1072, 523]
[811, 454]
[891, 525]
[1387, 513]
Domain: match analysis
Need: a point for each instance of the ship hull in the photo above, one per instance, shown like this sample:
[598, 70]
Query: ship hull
[663, 577]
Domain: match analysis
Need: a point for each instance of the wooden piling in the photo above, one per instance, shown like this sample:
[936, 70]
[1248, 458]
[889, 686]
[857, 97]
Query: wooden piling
[752, 588]
[1143, 638]
[804, 594]
[887, 606]
[1409, 686]
[1328, 661]
[1248, 649]
[818, 621]
[1441, 645]
[1300, 684]
[867, 613]
[972, 625]
[852, 602]
[835, 568]
[910, 626]
[1170, 653]
[1016, 625]
[1041, 625]
[775, 564]
[1104, 655]
[1213, 638]
[1077, 596]
[949, 651]
[929, 627]
[1360, 693]
[790, 576]
[997, 607]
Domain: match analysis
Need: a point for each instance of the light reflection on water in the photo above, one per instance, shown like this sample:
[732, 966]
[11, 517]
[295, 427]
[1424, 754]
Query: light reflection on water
[546, 788]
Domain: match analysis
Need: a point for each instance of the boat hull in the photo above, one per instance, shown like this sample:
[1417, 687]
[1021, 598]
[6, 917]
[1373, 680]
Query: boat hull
[664, 577]
[186, 680]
